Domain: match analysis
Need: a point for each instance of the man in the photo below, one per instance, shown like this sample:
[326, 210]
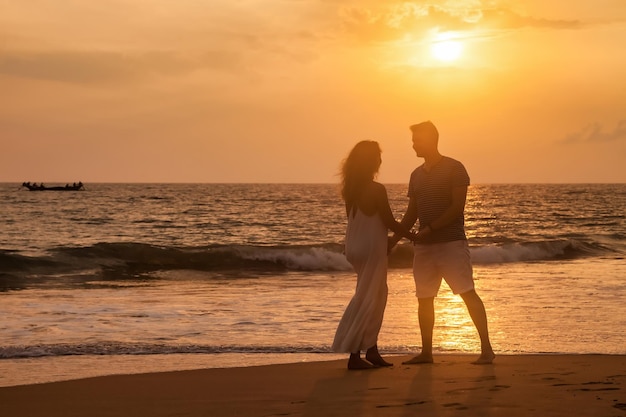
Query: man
[437, 193]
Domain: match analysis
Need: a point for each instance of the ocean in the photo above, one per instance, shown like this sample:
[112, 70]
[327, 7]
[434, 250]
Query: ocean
[126, 278]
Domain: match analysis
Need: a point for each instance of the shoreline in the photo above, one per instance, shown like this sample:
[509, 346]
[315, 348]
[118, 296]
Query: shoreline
[515, 385]
[50, 369]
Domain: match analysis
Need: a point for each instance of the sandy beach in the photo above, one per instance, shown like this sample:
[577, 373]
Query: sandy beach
[543, 385]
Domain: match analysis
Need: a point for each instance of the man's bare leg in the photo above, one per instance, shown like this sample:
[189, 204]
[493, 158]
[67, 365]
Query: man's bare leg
[374, 357]
[477, 312]
[426, 315]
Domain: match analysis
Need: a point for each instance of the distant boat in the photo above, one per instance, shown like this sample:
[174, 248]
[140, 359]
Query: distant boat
[41, 187]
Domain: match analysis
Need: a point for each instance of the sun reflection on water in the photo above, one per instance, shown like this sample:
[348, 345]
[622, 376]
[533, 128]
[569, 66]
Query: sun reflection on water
[454, 330]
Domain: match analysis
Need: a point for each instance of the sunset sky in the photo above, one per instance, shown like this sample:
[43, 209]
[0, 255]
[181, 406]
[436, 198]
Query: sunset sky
[280, 90]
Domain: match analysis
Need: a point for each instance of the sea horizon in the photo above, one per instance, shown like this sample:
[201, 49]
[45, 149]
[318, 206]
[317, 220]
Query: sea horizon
[309, 182]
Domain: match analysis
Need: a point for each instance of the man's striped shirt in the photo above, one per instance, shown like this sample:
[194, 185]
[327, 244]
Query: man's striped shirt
[433, 193]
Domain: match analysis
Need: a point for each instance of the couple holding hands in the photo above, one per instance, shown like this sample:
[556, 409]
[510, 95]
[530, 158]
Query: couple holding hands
[437, 193]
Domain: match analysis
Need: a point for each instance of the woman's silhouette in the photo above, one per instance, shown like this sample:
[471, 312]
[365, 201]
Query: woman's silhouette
[369, 219]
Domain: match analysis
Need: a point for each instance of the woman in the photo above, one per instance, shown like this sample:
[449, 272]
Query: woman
[369, 219]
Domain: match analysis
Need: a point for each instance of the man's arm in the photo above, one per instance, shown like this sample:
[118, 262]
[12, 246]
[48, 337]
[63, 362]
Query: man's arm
[457, 206]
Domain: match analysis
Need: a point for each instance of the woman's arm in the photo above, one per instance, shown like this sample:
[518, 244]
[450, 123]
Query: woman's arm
[408, 221]
[386, 215]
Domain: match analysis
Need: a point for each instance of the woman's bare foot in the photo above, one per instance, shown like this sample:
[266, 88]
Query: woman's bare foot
[421, 358]
[376, 359]
[485, 358]
[358, 363]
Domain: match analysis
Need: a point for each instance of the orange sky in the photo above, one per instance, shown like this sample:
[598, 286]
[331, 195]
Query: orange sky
[279, 91]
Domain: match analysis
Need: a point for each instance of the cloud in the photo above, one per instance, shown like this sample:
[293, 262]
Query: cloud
[508, 19]
[87, 42]
[594, 133]
[110, 66]
[398, 19]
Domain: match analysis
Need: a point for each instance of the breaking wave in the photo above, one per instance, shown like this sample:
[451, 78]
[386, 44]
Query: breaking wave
[132, 259]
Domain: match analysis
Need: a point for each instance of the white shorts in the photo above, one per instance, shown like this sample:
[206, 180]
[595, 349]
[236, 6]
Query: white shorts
[448, 260]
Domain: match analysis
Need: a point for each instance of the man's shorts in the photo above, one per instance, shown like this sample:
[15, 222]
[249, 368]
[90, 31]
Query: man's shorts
[448, 260]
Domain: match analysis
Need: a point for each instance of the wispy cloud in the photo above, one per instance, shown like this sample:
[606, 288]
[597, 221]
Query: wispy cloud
[396, 20]
[509, 19]
[135, 41]
[140, 39]
[595, 132]
[108, 66]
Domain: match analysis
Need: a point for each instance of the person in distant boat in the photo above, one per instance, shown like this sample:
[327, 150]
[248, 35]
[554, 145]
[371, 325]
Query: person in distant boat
[437, 194]
[369, 219]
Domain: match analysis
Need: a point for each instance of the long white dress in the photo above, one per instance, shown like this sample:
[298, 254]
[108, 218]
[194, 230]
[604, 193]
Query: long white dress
[366, 250]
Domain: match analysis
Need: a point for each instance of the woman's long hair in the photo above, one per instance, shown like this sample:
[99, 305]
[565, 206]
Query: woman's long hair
[358, 169]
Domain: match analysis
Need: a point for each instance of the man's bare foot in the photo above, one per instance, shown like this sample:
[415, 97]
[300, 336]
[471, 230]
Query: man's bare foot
[358, 363]
[376, 359]
[485, 358]
[421, 358]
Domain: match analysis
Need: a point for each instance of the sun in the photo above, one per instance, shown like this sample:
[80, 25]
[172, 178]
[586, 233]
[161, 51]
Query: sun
[446, 50]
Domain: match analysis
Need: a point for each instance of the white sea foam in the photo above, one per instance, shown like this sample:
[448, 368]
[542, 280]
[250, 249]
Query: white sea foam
[308, 259]
[518, 252]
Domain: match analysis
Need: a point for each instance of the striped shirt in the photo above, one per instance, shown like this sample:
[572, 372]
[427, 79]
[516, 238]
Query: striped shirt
[433, 193]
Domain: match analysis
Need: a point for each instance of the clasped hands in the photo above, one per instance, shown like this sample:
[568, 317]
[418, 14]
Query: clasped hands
[392, 241]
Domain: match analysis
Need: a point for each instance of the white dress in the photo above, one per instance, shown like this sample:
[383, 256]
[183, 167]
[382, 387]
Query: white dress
[366, 250]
